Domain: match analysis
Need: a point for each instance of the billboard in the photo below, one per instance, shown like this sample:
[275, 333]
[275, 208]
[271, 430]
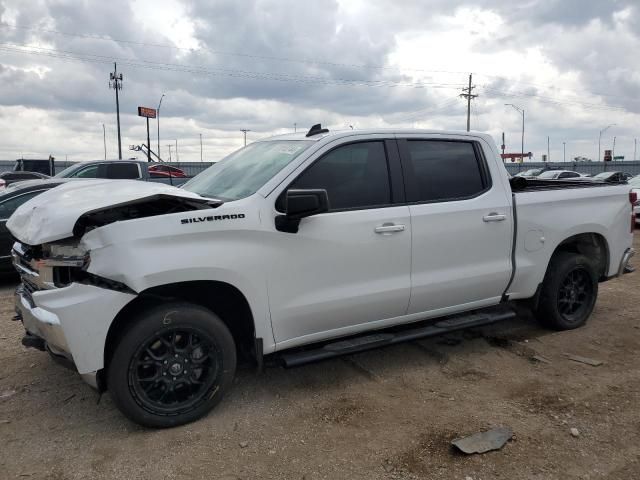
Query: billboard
[147, 112]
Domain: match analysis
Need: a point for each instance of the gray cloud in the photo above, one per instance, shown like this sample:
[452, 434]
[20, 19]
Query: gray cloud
[318, 47]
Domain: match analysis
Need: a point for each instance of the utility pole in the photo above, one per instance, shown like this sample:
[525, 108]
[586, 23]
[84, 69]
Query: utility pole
[564, 151]
[613, 149]
[635, 148]
[104, 140]
[521, 110]
[548, 150]
[295, 127]
[177, 156]
[201, 147]
[115, 82]
[468, 94]
[169, 151]
[158, 122]
[600, 139]
[503, 146]
[244, 130]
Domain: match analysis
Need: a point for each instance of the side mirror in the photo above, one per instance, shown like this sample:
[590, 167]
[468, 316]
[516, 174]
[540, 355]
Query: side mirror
[300, 204]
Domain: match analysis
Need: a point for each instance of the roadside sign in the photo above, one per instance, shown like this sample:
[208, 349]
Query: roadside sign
[147, 112]
[621, 157]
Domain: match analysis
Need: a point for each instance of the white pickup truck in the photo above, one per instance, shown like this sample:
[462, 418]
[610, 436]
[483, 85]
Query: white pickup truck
[302, 247]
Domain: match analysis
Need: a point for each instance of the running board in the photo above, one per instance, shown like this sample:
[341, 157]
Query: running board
[375, 340]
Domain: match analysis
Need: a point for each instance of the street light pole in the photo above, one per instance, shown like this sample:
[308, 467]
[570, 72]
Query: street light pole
[158, 122]
[600, 139]
[564, 151]
[521, 110]
[201, 147]
[104, 140]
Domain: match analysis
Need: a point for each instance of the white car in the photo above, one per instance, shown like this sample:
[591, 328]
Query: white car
[558, 174]
[298, 248]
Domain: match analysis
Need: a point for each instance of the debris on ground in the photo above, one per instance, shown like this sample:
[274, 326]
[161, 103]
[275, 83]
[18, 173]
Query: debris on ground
[574, 432]
[243, 444]
[7, 394]
[585, 360]
[541, 359]
[482, 442]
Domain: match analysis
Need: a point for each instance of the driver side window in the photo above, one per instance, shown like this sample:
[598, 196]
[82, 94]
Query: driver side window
[354, 176]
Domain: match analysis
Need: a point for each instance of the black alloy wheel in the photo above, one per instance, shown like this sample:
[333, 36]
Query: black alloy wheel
[171, 365]
[575, 294]
[569, 291]
[169, 373]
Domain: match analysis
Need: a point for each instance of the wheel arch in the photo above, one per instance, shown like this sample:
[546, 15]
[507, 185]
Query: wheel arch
[592, 245]
[222, 298]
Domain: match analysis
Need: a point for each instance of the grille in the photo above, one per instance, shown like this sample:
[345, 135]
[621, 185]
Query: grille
[28, 287]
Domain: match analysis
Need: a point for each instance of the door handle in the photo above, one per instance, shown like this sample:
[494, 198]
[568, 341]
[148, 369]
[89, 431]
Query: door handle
[494, 217]
[389, 228]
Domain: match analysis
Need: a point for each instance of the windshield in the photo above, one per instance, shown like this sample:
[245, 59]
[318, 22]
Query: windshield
[243, 172]
[603, 175]
[635, 181]
[548, 174]
[65, 173]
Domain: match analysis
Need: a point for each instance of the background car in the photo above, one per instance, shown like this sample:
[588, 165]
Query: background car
[558, 174]
[7, 178]
[10, 199]
[613, 177]
[532, 172]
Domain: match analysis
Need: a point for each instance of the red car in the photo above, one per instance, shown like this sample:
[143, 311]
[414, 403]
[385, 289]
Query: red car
[159, 170]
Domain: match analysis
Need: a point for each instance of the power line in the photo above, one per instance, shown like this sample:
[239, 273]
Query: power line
[283, 59]
[222, 52]
[141, 63]
[551, 100]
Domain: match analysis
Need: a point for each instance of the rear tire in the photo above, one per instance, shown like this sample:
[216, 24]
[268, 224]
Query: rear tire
[172, 366]
[569, 292]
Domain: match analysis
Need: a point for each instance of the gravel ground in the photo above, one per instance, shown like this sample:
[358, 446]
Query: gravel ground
[389, 413]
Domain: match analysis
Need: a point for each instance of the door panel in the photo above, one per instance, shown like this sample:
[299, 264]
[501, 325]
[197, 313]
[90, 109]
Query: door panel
[349, 266]
[461, 226]
[338, 272]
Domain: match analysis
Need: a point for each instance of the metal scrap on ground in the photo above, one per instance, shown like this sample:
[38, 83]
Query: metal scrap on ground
[482, 442]
[585, 360]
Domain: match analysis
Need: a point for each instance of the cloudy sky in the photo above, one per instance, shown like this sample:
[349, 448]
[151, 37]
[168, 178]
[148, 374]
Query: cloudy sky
[265, 65]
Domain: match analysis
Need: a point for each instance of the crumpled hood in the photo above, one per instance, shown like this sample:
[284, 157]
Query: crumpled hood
[53, 214]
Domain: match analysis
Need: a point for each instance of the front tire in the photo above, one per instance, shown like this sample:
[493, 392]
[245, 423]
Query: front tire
[172, 366]
[569, 292]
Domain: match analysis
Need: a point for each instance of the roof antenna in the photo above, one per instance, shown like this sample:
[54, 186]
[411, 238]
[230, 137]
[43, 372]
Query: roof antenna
[316, 130]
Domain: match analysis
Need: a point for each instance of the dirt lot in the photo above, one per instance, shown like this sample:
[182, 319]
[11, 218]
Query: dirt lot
[389, 413]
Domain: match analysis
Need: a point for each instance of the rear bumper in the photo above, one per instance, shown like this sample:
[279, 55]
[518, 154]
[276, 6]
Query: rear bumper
[73, 322]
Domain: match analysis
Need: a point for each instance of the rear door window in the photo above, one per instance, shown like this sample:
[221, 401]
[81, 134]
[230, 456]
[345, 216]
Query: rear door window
[439, 170]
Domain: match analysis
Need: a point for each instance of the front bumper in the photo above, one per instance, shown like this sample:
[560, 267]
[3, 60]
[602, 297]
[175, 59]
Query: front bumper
[73, 321]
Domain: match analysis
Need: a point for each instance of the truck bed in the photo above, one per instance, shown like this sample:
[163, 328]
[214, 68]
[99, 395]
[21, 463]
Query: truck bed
[531, 185]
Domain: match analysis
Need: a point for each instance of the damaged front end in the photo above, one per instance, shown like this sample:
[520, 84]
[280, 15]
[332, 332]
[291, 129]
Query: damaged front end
[65, 308]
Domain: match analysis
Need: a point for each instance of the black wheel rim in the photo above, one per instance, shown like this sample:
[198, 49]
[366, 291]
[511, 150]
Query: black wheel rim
[575, 295]
[174, 371]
